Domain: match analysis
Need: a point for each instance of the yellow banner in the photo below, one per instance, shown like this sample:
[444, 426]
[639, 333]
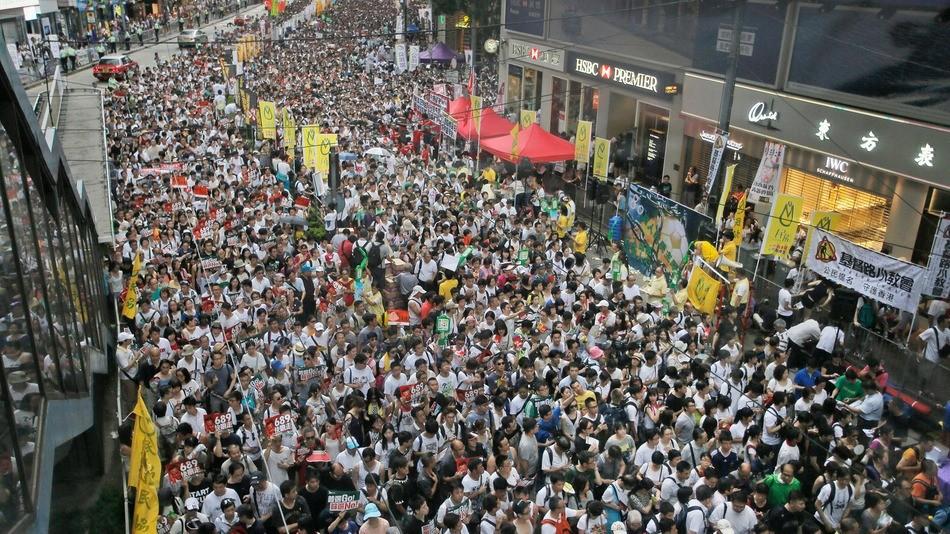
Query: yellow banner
[515, 131]
[268, 116]
[823, 220]
[324, 144]
[527, 118]
[130, 306]
[702, 290]
[290, 132]
[145, 472]
[477, 112]
[240, 50]
[582, 141]
[601, 157]
[310, 135]
[726, 190]
[783, 225]
[739, 223]
[245, 100]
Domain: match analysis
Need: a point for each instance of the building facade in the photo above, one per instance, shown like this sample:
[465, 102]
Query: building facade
[852, 89]
[54, 329]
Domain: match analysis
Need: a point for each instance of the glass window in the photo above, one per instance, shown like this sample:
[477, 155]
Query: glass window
[68, 275]
[591, 102]
[531, 96]
[514, 88]
[573, 106]
[59, 302]
[558, 121]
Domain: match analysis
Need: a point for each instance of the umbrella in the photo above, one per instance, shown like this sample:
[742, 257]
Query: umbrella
[347, 156]
[292, 220]
[379, 152]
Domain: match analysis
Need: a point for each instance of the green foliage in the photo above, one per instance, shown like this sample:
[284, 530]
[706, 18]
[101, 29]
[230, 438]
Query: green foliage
[316, 229]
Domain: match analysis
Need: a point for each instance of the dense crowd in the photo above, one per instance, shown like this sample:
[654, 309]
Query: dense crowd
[528, 385]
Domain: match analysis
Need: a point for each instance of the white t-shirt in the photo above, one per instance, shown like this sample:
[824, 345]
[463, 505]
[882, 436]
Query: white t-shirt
[831, 336]
[742, 523]
[835, 510]
[933, 342]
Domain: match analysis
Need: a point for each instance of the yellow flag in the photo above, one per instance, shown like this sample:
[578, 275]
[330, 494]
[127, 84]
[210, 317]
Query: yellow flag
[290, 132]
[268, 112]
[145, 471]
[823, 220]
[477, 112]
[582, 141]
[310, 134]
[528, 118]
[515, 150]
[130, 306]
[783, 225]
[324, 144]
[245, 100]
[601, 157]
[702, 290]
[726, 189]
[740, 219]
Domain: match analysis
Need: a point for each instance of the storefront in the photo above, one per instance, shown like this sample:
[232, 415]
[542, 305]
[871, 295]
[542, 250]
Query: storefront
[873, 170]
[630, 104]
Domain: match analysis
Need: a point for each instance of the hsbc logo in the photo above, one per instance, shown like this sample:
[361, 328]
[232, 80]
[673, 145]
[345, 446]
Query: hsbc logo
[628, 76]
[535, 54]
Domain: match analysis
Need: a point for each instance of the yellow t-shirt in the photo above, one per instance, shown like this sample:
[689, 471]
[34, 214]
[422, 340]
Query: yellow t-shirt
[582, 398]
[489, 175]
[708, 252]
[580, 242]
[446, 287]
[729, 252]
[563, 225]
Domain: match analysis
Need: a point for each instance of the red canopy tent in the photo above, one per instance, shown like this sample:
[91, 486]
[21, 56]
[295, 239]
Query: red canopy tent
[534, 143]
[492, 124]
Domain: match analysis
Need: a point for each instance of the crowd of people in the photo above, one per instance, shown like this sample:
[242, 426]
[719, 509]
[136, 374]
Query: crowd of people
[435, 348]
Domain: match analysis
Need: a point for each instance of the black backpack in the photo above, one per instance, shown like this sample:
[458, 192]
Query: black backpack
[373, 256]
[680, 519]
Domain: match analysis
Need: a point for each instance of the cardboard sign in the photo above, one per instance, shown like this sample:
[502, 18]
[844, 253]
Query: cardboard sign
[189, 468]
[466, 395]
[397, 317]
[219, 422]
[342, 501]
[279, 424]
[412, 392]
[210, 265]
[258, 383]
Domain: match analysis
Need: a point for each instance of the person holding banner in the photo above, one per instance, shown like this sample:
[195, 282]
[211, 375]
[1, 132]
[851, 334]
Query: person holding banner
[712, 256]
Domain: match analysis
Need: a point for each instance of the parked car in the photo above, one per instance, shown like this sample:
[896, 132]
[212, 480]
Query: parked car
[114, 65]
[192, 38]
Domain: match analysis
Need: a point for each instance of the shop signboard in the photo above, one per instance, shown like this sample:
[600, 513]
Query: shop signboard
[886, 279]
[542, 55]
[525, 16]
[852, 136]
[658, 232]
[630, 77]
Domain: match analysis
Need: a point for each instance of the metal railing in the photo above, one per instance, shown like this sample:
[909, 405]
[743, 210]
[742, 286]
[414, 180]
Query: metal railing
[49, 103]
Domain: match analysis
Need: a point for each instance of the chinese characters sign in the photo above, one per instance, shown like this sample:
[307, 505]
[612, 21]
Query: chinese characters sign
[938, 283]
[878, 276]
[783, 226]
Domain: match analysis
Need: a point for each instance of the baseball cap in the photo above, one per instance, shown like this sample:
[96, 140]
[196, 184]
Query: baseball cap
[192, 504]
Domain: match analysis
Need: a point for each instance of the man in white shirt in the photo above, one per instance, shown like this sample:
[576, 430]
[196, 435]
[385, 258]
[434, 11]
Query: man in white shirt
[832, 337]
[785, 310]
[737, 512]
[834, 500]
[934, 339]
[219, 492]
[870, 409]
[799, 336]
[696, 510]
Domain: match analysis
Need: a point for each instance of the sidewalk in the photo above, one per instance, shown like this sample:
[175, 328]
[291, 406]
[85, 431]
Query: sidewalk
[87, 57]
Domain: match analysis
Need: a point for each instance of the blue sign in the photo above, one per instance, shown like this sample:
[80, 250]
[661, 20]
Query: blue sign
[525, 16]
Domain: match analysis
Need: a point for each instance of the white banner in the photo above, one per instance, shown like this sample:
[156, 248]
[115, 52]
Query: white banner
[413, 57]
[938, 268]
[400, 27]
[401, 62]
[719, 146]
[881, 277]
[768, 174]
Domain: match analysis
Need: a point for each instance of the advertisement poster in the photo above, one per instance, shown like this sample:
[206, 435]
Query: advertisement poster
[883, 278]
[658, 233]
[782, 228]
[769, 173]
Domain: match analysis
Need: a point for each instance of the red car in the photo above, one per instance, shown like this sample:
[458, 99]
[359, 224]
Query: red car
[115, 65]
[239, 21]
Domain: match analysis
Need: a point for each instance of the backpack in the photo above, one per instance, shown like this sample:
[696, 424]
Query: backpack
[614, 415]
[831, 495]
[359, 254]
[866, 316]
[561, 526]
[680, 519]
[374, 258]
[942, 351]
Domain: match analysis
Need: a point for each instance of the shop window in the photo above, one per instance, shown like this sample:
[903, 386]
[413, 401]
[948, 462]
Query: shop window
[514, 88]
[531, 96]
[573, 106]
[864, 216]
[558, 122]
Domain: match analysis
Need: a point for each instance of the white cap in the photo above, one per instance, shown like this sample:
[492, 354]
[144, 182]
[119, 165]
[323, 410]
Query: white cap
[192, 504]
[125, 336]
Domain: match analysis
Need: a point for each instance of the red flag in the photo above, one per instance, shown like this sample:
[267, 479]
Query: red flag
[302, 202]
[200, 191]
[471, 82]
[179, 182]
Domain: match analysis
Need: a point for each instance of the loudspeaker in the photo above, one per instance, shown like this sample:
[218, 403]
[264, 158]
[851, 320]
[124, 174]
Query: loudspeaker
[843, 305]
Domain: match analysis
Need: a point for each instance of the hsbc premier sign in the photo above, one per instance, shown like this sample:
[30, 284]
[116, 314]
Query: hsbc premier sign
[549, 56]
[629, 77]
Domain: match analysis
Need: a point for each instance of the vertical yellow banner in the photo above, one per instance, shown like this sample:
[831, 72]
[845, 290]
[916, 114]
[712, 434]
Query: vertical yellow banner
[726, 190]
[527, 118]
[311, 133]
[290, 132]
[582, 141]
[739, 223]
[324, 143]
[268, 112]
[783, 225]
[477, 112]
[145, 474]
[601, 157]
[515, 149]
[823, 220]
